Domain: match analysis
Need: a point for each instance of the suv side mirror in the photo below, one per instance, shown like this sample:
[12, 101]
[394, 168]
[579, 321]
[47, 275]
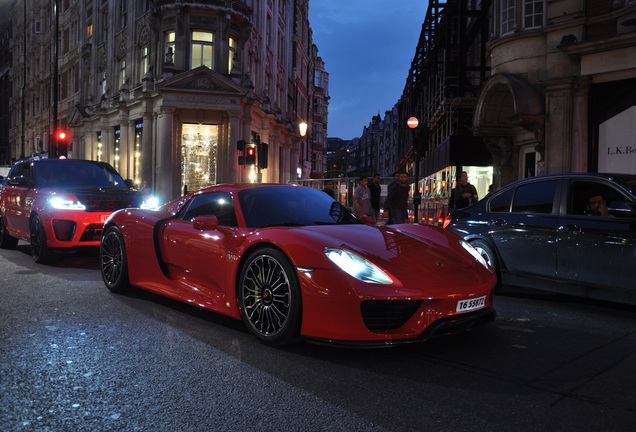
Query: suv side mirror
[19, 181]
[622, 209]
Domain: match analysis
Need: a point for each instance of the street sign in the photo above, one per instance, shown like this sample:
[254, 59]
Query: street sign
[412, 122]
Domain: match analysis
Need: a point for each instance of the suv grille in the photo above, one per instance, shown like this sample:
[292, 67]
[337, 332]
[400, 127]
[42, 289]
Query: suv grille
[106, 204]
[380, 315]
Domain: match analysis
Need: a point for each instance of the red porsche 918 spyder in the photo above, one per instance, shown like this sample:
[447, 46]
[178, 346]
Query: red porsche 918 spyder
[294, 264]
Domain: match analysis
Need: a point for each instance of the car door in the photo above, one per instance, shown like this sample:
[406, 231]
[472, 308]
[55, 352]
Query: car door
[596, 251]
[523, 225]
[17, 200]
[198, 258]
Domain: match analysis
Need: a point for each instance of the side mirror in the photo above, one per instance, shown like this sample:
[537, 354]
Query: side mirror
[19, 181]
[622, 209]
[205, 222]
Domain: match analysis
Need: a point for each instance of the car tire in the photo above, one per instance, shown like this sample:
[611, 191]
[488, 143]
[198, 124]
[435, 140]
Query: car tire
[114, 260]
[7, 241]
[488, 253]
[40, 252]
[269, 297]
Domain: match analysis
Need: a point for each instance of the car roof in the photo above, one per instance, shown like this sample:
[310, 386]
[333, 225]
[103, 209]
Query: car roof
[625, 181]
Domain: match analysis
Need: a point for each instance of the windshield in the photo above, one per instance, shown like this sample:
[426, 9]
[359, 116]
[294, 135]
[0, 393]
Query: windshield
[286, 205]
[75, 173]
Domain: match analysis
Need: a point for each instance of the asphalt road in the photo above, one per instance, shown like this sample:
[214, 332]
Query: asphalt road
[75, 357]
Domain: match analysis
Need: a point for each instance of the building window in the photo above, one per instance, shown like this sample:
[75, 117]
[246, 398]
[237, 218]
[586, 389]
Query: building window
[103, 83]
[170, 43]
[143, 62]
[89, 33]
[202, 49]
[122, 72]
[99, 146]
[139, 133]
[116, 148]
[533, 13]
[231, 54]
[281, 47]
[123, 13]
[104, 25]
[508, 11]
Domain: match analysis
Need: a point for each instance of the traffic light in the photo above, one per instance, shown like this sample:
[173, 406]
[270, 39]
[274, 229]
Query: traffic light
[240, 145]
[263, 154]
[250, 154]
[61, 143]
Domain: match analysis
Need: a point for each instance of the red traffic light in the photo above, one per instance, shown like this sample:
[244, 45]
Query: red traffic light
[61, 135]
[251, 151]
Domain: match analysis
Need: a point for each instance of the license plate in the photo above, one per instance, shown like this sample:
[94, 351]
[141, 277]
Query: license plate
[471, 304]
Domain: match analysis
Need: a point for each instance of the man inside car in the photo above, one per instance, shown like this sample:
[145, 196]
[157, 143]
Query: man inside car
[596, 205]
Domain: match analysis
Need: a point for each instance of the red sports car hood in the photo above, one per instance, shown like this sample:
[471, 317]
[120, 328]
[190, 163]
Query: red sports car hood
[406, 252]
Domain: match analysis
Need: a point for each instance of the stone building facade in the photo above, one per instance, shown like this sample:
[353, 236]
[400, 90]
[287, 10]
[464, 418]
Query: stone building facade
[508, 89]
[164, 90]
[561, 96]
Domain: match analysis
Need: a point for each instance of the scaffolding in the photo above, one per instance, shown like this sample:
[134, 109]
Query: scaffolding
[449, 68]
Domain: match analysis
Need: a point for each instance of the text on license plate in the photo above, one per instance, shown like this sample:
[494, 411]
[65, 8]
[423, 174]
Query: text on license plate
[471, 304]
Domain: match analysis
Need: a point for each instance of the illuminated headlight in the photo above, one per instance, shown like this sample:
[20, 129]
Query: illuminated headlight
[474, 253]
[66, 204]
[150, 203]
[357, 266]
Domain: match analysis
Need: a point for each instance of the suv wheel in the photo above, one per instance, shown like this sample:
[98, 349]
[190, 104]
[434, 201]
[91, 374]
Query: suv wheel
[39, 250]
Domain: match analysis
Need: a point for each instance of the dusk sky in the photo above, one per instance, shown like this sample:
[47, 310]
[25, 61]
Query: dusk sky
[367, 47]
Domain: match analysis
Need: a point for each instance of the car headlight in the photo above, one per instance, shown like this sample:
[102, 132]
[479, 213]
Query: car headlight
[150, 202]
[357, 266]
[474, 253]
[60, 203]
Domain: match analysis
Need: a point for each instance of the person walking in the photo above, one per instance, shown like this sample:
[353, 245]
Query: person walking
[395, 182]
[376, 191]
[464, 193]
[328, 189]
[397, 200]
[362, 198]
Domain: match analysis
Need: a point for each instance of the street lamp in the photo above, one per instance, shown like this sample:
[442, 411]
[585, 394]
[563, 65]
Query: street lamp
[302, 128]
[413, 123]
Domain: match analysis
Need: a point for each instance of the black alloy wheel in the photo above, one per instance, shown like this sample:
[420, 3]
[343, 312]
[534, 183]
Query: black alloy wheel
[269, 297]
[40, 252]
[7, 241]
[114, 262]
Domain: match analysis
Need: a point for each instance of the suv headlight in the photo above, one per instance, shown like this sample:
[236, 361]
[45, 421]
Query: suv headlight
[66, 204]
[150, 202]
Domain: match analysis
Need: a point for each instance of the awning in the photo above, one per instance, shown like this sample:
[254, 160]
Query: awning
[458, 150]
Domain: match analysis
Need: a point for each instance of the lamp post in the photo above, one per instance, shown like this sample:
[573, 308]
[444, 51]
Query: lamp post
[302, 128]
[413, 123]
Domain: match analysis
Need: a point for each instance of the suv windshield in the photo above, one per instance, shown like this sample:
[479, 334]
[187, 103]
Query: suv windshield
[291, 206]
[75, 173]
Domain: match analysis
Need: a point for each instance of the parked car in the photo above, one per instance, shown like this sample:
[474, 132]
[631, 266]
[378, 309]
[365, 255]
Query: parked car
[59, 205]
[292, 263]
[539, 233]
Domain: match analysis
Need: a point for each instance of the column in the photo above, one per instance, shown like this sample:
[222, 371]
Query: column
[164, 186]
